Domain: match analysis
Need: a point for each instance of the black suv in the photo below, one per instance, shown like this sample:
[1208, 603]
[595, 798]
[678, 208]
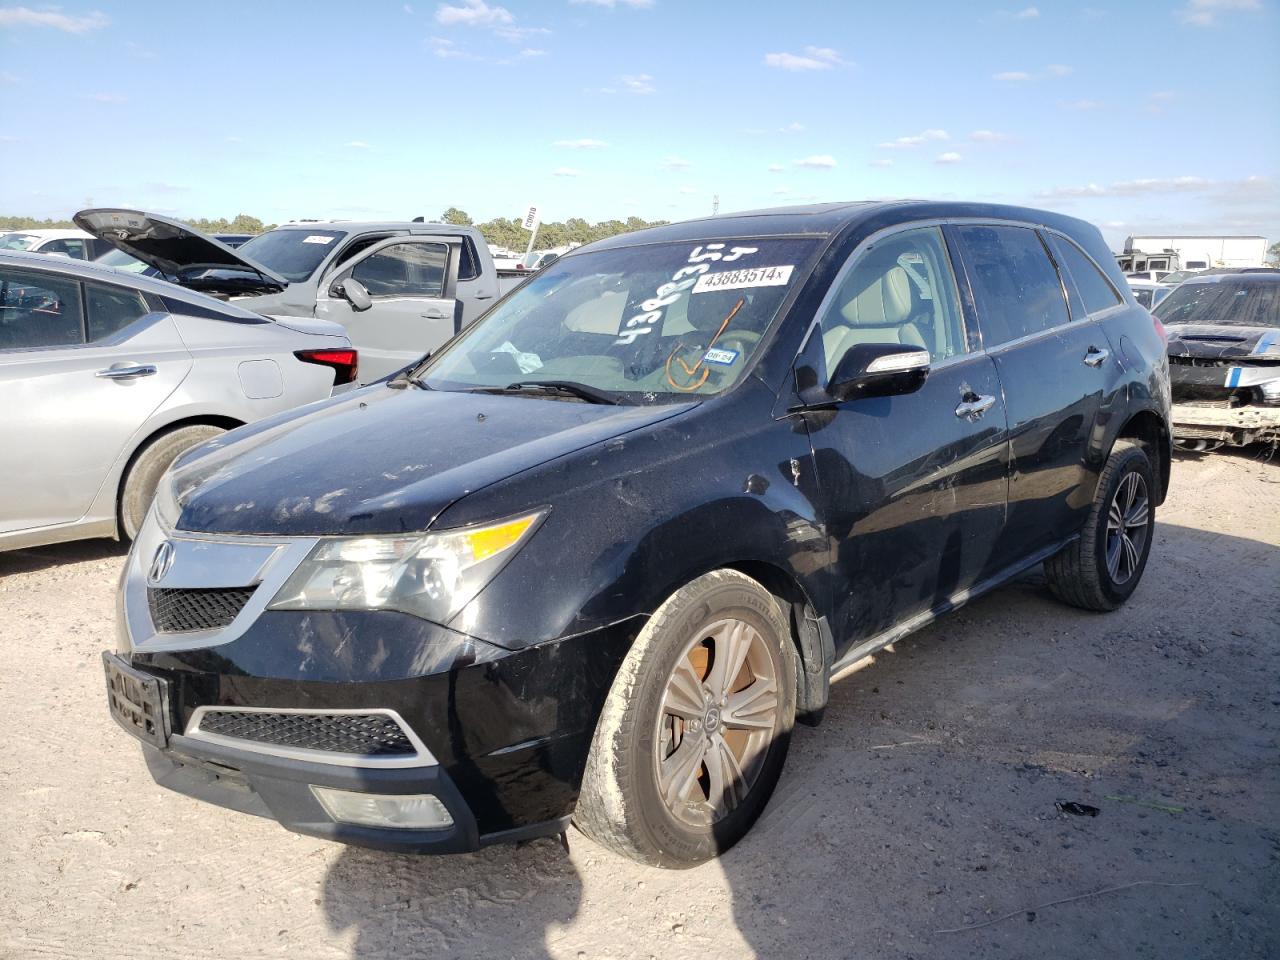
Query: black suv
[591, 560]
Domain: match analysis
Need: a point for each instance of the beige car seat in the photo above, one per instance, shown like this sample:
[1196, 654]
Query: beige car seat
[876, 315]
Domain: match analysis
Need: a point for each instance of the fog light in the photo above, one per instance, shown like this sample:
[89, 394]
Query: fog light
[397, 811]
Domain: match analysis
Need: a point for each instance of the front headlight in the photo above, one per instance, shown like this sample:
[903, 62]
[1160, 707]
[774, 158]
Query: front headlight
[165, 503]
[431, 575]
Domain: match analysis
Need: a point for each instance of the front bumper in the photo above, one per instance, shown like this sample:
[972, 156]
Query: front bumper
[1236, 426]
[501, 737]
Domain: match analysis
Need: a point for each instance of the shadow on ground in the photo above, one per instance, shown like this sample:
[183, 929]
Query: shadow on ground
[33, 559]
[925, 803]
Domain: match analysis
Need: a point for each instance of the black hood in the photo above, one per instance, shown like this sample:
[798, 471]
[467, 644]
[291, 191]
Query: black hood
[180, 252]
[383, 460]
[1223, 341]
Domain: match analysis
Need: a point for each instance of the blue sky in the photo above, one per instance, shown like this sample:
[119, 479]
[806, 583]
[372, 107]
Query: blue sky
[1139, 116]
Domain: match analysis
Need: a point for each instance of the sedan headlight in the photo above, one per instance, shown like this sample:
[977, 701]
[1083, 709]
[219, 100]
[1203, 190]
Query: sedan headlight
[431, 575]
[165, 504]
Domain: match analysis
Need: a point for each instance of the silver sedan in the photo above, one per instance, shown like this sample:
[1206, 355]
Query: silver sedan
[107, 377]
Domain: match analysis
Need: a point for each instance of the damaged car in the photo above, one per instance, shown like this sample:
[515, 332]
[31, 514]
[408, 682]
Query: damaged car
[1224, 358]
[590, 561]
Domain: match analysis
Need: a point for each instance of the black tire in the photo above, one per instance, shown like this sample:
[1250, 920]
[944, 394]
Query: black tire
[149, 465]
[1080, 574]
[621, 804]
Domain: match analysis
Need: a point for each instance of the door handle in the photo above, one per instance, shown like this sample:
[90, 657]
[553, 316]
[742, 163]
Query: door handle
[482, 296]
[972, 410]
[1095, 357]
[127, 372]
[436, 315]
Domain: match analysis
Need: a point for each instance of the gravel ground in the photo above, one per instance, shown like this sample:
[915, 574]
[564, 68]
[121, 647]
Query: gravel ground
[924, 803]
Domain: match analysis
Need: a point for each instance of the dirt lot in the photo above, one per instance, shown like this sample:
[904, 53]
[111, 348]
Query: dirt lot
[923, 804]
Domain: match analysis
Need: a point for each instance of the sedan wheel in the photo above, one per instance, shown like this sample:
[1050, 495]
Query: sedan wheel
[1128, 522]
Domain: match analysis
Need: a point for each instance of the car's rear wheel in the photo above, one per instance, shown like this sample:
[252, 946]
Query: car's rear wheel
[1102, 569]
[149, 465]
[693, 737]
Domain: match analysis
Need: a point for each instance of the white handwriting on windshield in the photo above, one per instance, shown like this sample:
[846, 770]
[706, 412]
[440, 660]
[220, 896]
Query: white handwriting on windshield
[699, 262]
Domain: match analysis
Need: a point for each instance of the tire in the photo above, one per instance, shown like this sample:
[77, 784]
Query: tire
[1088, 574]
[624, 802]
[149, 465]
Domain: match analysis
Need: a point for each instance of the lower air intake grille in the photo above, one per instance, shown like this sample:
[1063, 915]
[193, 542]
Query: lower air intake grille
[184, 610]
[366, 734]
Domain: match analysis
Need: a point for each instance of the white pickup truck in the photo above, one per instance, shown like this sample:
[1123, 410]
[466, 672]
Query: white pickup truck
[400, 288]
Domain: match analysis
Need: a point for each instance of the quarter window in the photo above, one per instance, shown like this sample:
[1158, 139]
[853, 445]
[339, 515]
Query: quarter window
[38, 310]
[1015, 284]
[900, 290]
[112, 309]
[1095, 289]
[404, 270]
[72, 248]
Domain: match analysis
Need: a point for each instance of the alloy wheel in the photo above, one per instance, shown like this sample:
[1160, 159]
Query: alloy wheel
[719, 714]
[1128, 524]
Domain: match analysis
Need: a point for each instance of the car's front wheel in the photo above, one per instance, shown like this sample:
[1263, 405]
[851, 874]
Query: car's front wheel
[1102, 569]
[693, 736]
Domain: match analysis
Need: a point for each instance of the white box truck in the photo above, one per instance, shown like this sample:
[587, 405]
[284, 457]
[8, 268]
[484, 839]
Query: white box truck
[1191, 253]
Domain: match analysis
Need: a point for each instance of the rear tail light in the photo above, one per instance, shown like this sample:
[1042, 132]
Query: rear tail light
[345, 363]
[1163, 333]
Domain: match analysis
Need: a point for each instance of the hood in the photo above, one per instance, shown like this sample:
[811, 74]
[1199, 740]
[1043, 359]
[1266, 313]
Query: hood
[1223, 341]
[180, 252]
[381, 460]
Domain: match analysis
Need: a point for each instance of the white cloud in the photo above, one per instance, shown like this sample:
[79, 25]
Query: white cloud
[473, 13]
[107, 97]
[234, 139]
[914, 140]
[1022, 76]
[528, 52]
[358, 145]
[26, 17]
[585, 143]
[565, 172]
[819, 161]
[989, 136]
[1027, 13]
[611, 4]
[1079, 105]
[1164, 95]
[1227, 191]
[814, 58]
[775, 168]
[781, 191]
[688, 189]
[949, 157]
[1011, 76]
[881, 162]
[408, 8]
[448, 50]
[1204, 13]
[676, 163]
[638, 83]
[1059, 70]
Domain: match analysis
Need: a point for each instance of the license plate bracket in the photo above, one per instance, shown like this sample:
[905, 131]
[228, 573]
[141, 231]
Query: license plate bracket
[139, 701]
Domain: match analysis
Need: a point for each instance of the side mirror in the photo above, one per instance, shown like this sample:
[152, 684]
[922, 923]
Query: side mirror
[354, 292]
[879, 370]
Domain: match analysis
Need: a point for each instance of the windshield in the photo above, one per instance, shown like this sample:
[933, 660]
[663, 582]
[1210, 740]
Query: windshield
[1234, 302]
[17, 241]
[292, 253]
[645, 323]
[121, 261]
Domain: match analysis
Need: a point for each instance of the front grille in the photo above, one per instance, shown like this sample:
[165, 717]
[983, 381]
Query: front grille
[366, 734]
[185, 609]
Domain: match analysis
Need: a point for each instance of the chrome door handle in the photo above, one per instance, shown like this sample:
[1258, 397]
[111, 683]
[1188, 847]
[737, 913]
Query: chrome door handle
[1095, 357]
[127, 372]
[436, 315]
[973, 410]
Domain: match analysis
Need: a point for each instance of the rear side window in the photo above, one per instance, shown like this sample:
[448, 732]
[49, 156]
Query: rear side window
[74, 248]
[469, 262]
[112, 309]
[1016, 286]
[404, 270]
[38, 310]
[1095, 289]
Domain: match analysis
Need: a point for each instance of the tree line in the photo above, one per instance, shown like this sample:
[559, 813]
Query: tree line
[499, 231]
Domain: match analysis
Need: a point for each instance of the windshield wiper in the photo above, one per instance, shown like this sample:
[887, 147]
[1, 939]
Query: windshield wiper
[569, 388]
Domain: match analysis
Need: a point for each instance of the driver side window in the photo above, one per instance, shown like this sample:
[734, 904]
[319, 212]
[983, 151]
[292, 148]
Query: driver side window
[404, 270]
[899, 290]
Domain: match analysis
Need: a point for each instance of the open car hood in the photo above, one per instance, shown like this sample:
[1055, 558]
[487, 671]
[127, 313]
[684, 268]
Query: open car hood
[180, 252]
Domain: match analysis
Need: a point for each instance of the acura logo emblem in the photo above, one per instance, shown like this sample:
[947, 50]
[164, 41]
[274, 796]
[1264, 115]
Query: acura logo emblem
[161, 562]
